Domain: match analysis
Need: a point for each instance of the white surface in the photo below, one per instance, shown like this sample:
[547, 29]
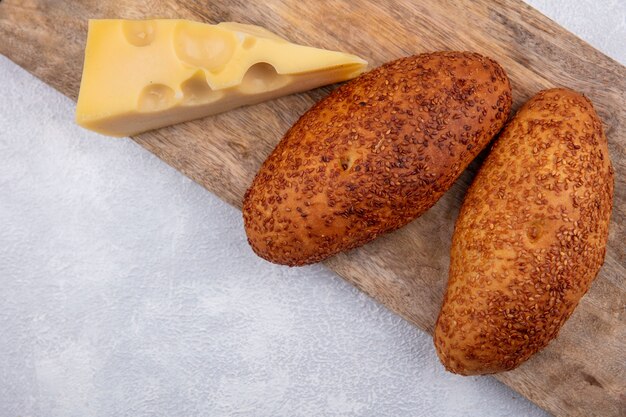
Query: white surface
[128, 290]
[601, 23]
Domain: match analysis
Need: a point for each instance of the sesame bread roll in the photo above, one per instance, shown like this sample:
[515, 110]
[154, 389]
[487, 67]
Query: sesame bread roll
[530, 236]
[373, 155]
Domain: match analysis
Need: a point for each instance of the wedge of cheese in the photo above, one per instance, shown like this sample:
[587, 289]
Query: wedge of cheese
[141, 75]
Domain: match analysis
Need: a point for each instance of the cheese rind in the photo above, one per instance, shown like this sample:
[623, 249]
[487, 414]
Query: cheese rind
[141, 75]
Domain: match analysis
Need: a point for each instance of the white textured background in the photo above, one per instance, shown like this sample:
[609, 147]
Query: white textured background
[128, 290]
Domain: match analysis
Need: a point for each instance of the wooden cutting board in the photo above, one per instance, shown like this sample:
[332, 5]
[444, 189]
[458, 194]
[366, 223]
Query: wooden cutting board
[583, 372]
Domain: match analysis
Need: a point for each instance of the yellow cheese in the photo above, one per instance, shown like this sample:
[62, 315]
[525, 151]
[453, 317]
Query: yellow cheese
[141, 75]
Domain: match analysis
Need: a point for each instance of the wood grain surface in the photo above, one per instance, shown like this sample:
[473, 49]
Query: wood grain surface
[582, 372]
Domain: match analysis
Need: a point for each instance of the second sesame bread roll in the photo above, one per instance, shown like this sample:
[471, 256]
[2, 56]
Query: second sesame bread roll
[373, 155]
[530, 237]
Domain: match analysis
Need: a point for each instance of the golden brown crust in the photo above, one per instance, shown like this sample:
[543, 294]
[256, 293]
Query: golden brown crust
[530, 237]
[374, 155]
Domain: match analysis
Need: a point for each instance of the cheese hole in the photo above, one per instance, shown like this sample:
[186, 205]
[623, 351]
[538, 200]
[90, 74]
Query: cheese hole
[248, 43]
[155, 97]
[204, 46]
[138, 32]
[197, 90]
[262, 77]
